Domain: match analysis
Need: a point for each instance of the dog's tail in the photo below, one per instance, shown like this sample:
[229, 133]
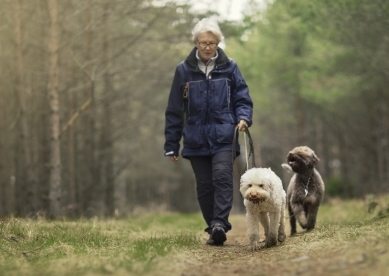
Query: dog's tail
[287, 167]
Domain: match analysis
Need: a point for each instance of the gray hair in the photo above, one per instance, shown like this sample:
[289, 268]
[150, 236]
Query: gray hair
[207, 25]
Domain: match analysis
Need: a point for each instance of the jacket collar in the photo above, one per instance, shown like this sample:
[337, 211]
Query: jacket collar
[211, 60]
[221, 61]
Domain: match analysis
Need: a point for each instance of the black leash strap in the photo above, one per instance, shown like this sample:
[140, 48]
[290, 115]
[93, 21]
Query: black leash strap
[250, 150]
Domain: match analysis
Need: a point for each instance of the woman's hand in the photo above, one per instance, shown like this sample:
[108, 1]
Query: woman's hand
[242, 126]
[174, 159]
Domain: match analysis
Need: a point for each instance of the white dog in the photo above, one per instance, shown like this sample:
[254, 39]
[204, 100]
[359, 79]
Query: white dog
[264, 198]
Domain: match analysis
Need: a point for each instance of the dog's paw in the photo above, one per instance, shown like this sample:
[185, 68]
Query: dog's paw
[270, 244]
[270, 241]
[281, 237]
[302, 219]
[255, 245]
[254, 241]
[303, 225]
[310, 228]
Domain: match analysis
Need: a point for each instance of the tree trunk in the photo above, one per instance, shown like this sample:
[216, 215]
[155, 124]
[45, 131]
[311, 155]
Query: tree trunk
[71, 155]
[300, 119]
[344, 159]
[53, 95]
[93, 192]
[26, 187]
[319, 148]
[107, 143]
[5, 168]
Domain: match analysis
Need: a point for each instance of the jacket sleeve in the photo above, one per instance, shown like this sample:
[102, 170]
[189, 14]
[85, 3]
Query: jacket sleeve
[174, 117]
[241, 99]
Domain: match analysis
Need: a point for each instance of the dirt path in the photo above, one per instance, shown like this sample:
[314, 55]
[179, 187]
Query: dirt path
[304, 254]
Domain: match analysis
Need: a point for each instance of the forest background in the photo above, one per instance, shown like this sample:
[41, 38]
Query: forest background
[84, 87]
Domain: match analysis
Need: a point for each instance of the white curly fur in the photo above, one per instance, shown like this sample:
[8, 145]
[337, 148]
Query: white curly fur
[264, 198]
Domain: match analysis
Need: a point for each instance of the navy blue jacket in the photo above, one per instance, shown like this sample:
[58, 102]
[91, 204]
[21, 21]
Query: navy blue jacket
[205, 111]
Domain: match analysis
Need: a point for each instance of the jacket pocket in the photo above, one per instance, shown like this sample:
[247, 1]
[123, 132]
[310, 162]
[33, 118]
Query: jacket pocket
[196, 97]
[193, 136]
[222, 94]
[225, 133]
[224, 117]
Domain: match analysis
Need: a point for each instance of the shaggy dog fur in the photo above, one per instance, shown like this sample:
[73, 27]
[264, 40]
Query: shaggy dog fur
[306, 188]
[264, 198]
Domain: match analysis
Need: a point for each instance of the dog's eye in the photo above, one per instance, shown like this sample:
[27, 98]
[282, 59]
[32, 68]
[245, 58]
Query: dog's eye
[250, 185]
[260, 185]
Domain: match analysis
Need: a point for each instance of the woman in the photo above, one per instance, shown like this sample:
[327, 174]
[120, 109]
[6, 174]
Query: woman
[208, 99]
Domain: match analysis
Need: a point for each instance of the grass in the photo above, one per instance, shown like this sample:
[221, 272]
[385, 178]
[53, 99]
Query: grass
[348, 240]
[40, 247]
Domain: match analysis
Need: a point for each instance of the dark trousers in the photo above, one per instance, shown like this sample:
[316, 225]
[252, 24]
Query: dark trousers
[214, 187]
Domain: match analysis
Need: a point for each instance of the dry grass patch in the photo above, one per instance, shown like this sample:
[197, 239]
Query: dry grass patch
[348, 240]
[92, 247]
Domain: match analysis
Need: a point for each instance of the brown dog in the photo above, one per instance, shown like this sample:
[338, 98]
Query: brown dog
[306, 188]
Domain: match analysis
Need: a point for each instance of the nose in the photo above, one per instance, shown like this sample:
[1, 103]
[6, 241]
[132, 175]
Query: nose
[254, 196]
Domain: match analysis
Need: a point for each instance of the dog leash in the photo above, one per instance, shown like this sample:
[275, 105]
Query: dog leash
[249, 153]
[306, 186]
[245, 146]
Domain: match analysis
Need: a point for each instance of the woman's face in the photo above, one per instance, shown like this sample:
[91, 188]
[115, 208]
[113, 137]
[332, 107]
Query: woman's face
[207, 46]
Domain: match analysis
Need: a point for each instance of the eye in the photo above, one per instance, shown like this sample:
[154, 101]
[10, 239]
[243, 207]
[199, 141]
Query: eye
[261, 185]
[250, 185]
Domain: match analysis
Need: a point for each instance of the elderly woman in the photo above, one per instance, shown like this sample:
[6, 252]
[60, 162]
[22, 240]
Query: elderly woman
[208, 99]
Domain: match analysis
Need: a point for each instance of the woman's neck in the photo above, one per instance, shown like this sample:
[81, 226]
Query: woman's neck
[205, 61]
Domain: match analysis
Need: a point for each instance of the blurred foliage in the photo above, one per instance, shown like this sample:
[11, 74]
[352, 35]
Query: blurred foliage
[317, 72]
[336, 187]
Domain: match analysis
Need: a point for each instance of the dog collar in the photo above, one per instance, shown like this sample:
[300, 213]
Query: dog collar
[306, 186]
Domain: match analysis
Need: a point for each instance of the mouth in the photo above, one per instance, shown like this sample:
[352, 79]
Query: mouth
[292, 163]
[293, 160]
[256, 200]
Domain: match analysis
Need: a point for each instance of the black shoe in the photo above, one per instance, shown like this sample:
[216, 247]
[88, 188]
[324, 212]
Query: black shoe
[218, 234]
[210, 240]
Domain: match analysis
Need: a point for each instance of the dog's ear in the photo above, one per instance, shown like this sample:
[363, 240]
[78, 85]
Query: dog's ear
[271, 188]
[315, 159]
